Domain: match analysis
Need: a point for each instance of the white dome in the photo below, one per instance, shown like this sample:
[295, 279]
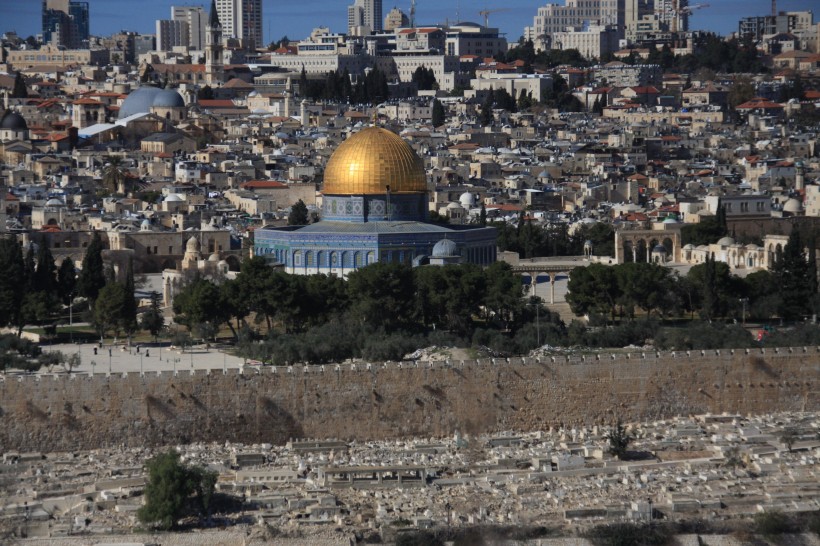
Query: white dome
[792, 205]
[54, 202]
[174, 198]
[192, 245]
[467, 199]
[726, 241]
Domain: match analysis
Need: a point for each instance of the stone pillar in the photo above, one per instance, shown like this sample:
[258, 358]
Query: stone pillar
[552, 288]
[634, 253]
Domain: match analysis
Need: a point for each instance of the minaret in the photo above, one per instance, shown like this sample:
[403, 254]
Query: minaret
[304, 113]
[288, 97]
[213, 48]
[799, 176]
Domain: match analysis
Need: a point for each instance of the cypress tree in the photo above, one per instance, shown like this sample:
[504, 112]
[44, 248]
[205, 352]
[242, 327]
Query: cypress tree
[19, 90]
[92, 276]
[129, 311]
[438, 113]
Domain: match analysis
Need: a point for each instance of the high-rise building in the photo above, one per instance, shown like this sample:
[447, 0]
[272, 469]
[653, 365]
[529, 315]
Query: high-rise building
[242, 19]
[65, 23]
[554, 18]
[78, 11]
[197, 19]
[785, 21]
[364, 17]
[171, 34]
[395, 19]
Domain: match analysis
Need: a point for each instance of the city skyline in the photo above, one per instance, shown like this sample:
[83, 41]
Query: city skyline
[296, 20]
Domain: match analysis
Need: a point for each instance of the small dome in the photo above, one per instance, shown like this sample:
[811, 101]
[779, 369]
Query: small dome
[214, 257]
[174, 198]
[168, 98]
[445, 249]
[690, 246]
[792, 205]
[13, 121]
[54, 202]
[726, 241]
[659, 248]
[752, 246]
[145, 225]
[192, 245]
[454, 206]
[467, 199]
[670, 220]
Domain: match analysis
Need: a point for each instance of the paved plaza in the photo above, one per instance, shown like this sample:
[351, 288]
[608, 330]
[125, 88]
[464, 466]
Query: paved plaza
[119, 358]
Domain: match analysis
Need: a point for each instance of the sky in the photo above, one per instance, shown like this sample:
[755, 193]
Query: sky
[296, 19]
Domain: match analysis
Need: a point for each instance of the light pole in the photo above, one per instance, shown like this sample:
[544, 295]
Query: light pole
[141, 364]
[110, 356]
[744, 301]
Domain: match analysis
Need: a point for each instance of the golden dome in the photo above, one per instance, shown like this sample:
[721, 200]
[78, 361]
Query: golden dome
[372, 159]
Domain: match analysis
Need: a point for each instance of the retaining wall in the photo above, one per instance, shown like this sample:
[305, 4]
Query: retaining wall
[390, 400]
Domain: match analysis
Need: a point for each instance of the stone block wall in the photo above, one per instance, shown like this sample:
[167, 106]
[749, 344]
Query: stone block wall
[391, 400]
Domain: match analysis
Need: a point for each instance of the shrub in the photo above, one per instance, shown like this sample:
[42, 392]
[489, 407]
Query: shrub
[773, 523]
[630, 534]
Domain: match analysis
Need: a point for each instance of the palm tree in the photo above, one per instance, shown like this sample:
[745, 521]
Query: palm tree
[114, 174]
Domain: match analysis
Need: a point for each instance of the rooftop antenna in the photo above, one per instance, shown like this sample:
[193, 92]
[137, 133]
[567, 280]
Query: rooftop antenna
[412, 13]
[774, 8]
[458, 11]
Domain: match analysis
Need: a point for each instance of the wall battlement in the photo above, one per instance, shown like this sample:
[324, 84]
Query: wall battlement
[390, 400]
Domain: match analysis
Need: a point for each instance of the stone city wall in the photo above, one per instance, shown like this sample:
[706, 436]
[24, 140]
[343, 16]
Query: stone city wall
[381, 401]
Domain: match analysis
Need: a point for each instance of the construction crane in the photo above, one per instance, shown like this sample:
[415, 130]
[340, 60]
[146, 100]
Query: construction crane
[686, 10]
[774, 8]
[486, 13]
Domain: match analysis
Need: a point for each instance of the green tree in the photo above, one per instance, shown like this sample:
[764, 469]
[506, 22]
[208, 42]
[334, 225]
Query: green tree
[439, 115]
[198, 304]
[205, 92]
[593, 289]
[92, 275]
[12, 281]
[742, 90]
[381, 295]
[109, 309]
[424, 78]
[129, 312]
[19, 91]
[298, 215]
[152, 319]
[486, 117]
[619, 439]
[649, 287]
[502, 299]
[170, 487]
[792, 273]
[114, 174]
[67, 281]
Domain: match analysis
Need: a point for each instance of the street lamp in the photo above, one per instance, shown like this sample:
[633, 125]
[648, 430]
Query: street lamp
[744, 301]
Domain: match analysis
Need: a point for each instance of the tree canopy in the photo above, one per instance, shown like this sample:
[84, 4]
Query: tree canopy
[174, 490]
